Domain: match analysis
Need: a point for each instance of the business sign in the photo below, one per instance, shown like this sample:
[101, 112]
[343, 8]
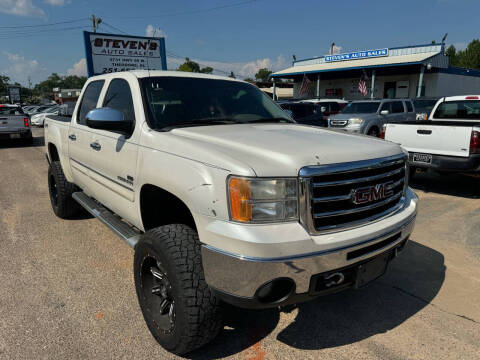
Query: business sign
[14, 94]
[357, 55]
[107, 53]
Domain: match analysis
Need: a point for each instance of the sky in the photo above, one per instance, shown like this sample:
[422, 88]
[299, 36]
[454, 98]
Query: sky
[230, 35]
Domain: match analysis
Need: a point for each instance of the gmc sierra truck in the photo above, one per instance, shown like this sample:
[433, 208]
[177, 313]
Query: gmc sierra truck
[449, 141]
[224, 198]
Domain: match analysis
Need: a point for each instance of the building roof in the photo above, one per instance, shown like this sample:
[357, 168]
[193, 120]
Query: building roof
[411, 59]
[401, 56]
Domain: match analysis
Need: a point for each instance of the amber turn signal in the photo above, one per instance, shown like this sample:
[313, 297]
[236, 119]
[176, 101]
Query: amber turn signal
[240, 194]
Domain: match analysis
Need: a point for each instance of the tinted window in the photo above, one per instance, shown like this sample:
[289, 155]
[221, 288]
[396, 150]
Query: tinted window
[119, 97]
[397, 107]
[298, 111]
[89, 100]
[424, 105]
[465, 110]
[367, 107]
[175, 101]
[409, 106]
[11, 110]
[387, 106]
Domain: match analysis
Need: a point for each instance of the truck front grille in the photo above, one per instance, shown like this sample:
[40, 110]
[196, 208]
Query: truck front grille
[344, 195]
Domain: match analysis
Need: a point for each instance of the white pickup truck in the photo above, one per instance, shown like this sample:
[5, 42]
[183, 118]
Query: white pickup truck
[224, 198]
[449, 141]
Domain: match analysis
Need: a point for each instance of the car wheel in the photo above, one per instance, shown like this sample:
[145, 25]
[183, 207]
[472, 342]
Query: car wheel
[60, 190]
[373, 132]
[179, 308]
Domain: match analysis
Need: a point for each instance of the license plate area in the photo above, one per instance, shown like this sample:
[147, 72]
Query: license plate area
[422, 158]
[371, 270]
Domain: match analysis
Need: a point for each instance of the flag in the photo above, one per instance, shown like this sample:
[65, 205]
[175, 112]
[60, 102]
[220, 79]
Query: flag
[304, 86]
[362, 84]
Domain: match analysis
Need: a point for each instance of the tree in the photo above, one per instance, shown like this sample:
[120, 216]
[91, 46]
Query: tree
[4, 80]
[250, 80]
[263, 74]
[192, 66]
[468, 58]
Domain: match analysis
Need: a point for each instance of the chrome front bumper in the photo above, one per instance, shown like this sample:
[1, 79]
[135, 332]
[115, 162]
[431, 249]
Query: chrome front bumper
[240, 276]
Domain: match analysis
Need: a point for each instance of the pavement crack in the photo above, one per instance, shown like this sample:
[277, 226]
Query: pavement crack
[434, 305]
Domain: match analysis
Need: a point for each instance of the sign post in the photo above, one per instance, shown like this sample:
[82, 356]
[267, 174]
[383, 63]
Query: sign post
[14, 94]
[107, 53]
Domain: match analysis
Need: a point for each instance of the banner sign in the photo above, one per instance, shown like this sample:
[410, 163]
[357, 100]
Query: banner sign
[14, 94]
[107, 53]
[357, 55]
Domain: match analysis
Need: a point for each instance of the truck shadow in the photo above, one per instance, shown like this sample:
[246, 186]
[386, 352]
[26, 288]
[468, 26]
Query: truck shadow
[17, 143]
[448, 184]
[412, 281]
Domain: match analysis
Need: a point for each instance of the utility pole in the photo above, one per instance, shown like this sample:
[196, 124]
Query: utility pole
[95, 23]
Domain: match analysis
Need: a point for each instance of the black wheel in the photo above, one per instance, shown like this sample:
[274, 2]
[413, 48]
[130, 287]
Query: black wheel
[60, 190]
[178, 306]
[373, 132]
[28, 140]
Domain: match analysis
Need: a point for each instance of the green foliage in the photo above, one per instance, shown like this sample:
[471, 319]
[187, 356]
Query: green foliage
[468, 58]
[192, 66]
[250, 80]
[263, 74]
[62, 82]
[4, 80]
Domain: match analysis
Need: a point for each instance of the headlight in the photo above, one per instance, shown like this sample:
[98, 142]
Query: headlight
[254, 200]
[355, 121]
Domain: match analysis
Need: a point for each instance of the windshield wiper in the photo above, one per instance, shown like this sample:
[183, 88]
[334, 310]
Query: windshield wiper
[201, 122]
[270, 120]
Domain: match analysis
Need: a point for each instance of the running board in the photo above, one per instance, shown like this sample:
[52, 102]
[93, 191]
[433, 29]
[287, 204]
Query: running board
[126, 232]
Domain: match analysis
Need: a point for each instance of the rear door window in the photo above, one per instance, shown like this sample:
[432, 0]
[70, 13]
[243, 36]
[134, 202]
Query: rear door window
[461, 109]
[11, 110]
[397, 107]
[89, 100]
[409, 106]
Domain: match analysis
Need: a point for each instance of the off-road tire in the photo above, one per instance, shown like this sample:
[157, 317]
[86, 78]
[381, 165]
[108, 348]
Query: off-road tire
[197, 317]
[373, 132]
[63, 205]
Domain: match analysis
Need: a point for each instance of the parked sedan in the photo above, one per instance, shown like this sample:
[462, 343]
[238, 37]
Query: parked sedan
[369, 116]
[39, 118]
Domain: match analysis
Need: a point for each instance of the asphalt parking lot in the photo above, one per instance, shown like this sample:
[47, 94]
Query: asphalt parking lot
[66, 287]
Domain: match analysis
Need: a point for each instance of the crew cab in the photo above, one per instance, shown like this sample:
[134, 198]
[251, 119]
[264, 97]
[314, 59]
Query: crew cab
[224, 198]
[449, 141]
[15, 124]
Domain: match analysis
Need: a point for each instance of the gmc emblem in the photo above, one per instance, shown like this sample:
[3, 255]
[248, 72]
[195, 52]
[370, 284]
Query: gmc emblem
[372, 193]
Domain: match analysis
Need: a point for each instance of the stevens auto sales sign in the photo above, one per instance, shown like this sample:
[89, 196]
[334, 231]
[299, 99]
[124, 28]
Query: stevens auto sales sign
[106, 53]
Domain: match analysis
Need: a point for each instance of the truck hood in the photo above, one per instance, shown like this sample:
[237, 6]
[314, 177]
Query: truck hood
[276, 149]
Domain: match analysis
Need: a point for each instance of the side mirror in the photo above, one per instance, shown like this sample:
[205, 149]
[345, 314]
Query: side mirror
[108, 119]
[384, 112]
[323, 109]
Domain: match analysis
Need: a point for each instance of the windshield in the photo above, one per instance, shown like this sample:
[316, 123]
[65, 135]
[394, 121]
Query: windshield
[369, 107]
[11, 110]
[462, 109]
[424, 106]
[181, 101]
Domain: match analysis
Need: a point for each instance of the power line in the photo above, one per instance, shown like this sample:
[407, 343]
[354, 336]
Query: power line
[44, 25]
[114, 28]
[180, 13]
[28, 35]
[26, 32]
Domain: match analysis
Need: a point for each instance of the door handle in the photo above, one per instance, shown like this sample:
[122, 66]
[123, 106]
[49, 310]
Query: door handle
[72, 137]
[96, 146]
[424, 132]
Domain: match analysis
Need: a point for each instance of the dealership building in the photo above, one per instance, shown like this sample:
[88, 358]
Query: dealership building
[398, 72]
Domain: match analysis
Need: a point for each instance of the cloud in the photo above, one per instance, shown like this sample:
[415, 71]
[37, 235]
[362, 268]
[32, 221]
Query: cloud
[21, 69]
[459, 45]
[79, 68]
[20, 8]
[337, 49]
[240, 69]
[153, 31]
[56, 2]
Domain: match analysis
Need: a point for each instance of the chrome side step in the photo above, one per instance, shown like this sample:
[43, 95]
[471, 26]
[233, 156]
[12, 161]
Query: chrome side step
[126, 232]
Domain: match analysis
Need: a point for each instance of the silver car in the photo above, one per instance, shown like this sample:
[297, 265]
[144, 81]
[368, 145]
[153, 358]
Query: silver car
[14, 124]
[368, 116]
